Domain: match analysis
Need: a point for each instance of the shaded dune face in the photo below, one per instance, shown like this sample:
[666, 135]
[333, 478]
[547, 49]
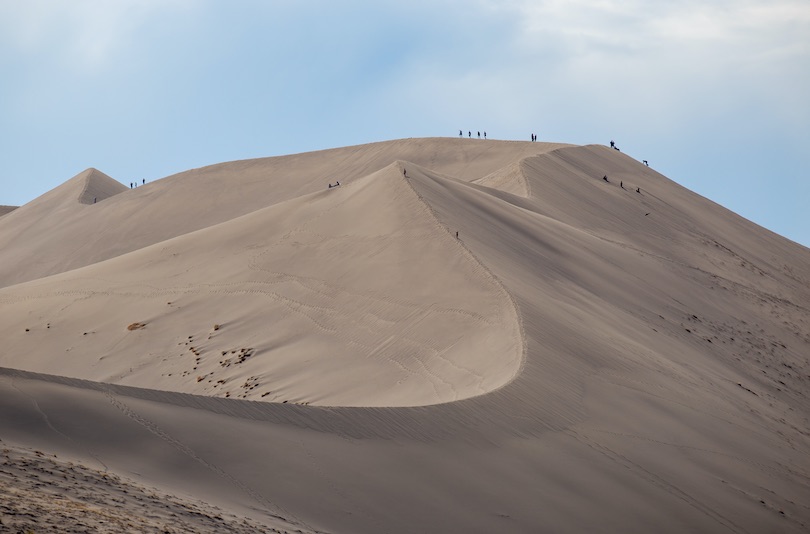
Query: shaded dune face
[4, 210]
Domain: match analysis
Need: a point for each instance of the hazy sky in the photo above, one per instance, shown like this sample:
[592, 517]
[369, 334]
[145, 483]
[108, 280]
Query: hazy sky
[715, 94]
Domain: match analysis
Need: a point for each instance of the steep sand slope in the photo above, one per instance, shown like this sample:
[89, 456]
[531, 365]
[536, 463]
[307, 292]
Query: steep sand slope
[664, 386]
[313, 300]
[567, 185]
[58, 232]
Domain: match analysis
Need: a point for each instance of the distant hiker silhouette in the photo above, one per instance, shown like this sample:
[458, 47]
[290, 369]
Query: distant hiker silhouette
[460, 133]
[144, 181]
[330, 185]
[337, 183]
[605, 178]
[130, 185]
[638, 190]
[621, 184]
[479, 135]
[485, 135]
[469, 134]
[456, 234]
[612, 144]
[645, 163]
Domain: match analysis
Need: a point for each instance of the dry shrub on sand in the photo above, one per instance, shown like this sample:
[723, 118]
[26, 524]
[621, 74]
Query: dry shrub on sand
[136, 326]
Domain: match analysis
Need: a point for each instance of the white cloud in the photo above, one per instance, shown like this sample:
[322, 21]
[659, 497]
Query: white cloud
[669, 56]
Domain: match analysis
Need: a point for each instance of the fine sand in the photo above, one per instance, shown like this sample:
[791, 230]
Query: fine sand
[463, 336]
[43, 493]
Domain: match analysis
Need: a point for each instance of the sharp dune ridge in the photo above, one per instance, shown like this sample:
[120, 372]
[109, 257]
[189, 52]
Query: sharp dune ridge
[462, 336]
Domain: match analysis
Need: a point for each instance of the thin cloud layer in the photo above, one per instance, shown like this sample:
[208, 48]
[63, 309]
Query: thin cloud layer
[685, 48]
[83, 34]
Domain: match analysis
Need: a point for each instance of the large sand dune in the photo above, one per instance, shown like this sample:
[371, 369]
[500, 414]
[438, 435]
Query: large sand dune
[584, 355]
[316, 299]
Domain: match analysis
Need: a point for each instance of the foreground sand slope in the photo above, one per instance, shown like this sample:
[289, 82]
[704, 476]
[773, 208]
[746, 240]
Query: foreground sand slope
[45, 493]
[664, 385]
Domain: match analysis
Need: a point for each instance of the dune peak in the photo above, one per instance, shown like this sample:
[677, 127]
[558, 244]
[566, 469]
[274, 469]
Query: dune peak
[97, 186]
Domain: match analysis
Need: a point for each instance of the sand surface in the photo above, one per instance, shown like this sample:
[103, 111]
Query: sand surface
[583, 355]
[42, 493]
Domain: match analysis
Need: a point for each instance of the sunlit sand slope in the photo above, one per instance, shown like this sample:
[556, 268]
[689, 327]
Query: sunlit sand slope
[354, 295]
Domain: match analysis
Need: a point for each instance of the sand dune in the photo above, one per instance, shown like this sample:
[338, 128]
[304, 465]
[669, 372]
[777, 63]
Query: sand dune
[584, 355]
[54, 233]
[311, 300]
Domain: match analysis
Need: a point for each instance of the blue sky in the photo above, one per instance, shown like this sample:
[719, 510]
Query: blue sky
[713, 93]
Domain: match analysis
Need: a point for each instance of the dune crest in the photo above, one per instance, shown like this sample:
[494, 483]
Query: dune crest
[62, 237]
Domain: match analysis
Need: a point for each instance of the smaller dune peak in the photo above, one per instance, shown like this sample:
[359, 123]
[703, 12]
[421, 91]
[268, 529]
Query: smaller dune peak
[97, 186]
